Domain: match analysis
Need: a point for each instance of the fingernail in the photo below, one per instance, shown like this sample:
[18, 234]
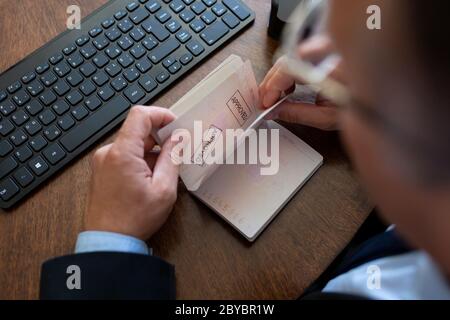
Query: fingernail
[270, 97]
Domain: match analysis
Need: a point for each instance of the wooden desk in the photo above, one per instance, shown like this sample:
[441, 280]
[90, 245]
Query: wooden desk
[211, 259]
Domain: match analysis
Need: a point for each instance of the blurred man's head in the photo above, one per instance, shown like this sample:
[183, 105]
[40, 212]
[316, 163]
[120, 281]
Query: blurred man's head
[401, 72]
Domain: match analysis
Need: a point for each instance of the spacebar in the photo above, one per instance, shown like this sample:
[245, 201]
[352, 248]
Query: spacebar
[94, 123]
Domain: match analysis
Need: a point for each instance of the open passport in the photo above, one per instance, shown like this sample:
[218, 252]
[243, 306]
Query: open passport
[242, 166]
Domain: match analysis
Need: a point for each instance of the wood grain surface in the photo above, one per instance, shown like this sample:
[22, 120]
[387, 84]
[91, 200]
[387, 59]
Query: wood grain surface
[212, 260]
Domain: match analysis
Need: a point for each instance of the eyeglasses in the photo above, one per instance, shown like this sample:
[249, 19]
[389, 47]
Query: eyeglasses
[310, 19]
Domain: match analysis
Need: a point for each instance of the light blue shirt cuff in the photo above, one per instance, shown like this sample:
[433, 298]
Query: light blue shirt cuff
[93, 241]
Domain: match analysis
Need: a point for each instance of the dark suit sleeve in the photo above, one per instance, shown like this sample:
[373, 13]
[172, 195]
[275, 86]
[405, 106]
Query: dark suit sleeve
[109, 275]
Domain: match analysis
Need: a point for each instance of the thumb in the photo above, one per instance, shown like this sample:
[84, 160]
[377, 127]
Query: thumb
[166, 169]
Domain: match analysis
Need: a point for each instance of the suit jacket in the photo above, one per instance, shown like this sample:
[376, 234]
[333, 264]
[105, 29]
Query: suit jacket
[109, 275]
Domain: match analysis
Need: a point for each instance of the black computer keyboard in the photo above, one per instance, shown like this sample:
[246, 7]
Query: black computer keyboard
[62, 98]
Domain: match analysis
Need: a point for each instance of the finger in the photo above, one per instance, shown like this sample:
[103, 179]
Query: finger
[135, 133]
[315, 48]
[166, 170]
[320, 117]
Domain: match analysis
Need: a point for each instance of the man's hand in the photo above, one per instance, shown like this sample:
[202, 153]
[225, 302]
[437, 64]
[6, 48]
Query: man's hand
[323, 115]
[128, 194]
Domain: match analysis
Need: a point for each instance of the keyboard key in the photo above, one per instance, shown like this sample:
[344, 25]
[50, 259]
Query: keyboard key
[88, 69]
[139, 15]
[6, 108]
[119, 83]
[197, 25]
[51, 133]
[97, 121]
[18, 137]
[173, 26]
[38, 165]
[106, 93]
[101, 43]
[75, 60]
[62, 69]
[219, 9]
[23, 177]
[131, 74]
[21, 97]
[93, 103]
[23, 154]
[80, 113]
[195, 47]
[81, 41]
[187, 15]
[6, 166]
[101, 60]
[113, 51]
[100, 78]
[113, 69]
[177, 6]
[132, 6]
[188, 2]
[8, 189]
[162, 77]
[95, 31]
[174, 68]
[237, 9]
[186, 58]
[198, 7]
[230, 20]
[137, 34]
[143, 65]
[69, 49]
[74, 98]
[5, 148]
[19, 118]
[60, 107]
[74, 78]
[14, 87]
[66, 122]
[108, 23]
[61, 88]
[47, 117]
[163, 50]
[57, 57]
[156, 28]
[134, 94]
[35, 88]
[125, 25]
[214, 32]
[119, 15]
[183, 36]
[3, 95]
[28, 77]
[38, 143]
[113, 34]
[34, 107]
[167, 62]
[209, 3]
[54, 154]
[42, 68]
[125, 43]
[6, 127]
[208, 17]
[163, 16]
[153, 6]
[137, 51]
[48, 78]
[87, 87]
[125, 60]
[148, 83]
[149, 43]
[33, 127]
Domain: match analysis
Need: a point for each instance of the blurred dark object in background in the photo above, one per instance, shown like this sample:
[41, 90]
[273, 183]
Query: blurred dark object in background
[279, 16]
